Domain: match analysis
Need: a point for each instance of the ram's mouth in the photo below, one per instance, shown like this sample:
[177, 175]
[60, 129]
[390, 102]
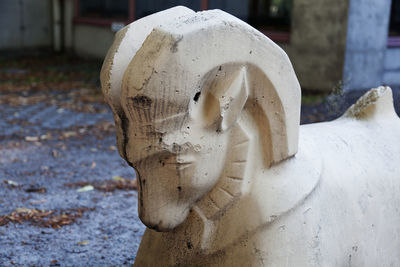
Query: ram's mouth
[180, 161]
[179, 165]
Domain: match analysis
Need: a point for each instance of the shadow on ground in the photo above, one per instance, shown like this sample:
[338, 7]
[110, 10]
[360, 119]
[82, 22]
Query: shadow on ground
[67, 198]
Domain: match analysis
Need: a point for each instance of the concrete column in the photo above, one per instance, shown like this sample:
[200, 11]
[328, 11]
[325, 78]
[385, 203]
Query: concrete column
[366, 43]
[317, 42]
[68, 17]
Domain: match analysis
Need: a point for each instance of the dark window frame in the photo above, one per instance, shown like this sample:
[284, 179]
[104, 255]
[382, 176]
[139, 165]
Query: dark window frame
[107, 22]
[103, 21]
[277, 36]
[393, 40]
[282, 37]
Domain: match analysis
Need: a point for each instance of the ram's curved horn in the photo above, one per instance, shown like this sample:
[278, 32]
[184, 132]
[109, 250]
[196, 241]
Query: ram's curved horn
[178, 59]
[126, 43]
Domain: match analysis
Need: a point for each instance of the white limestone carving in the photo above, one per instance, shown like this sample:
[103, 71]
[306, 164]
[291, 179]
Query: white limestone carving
[207, 111]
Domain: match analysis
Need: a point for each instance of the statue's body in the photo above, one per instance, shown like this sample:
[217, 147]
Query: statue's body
[336, 203]
[207, 111]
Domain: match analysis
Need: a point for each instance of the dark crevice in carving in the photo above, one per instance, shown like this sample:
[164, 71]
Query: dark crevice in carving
[174, 47]
[140, 191]
[141, 101]
[124, 126]
[196, 96]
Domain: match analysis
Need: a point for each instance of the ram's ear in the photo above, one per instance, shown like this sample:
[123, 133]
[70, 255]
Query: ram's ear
[223, 99]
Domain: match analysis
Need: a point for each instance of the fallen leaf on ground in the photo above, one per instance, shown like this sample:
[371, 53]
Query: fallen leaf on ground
[10, 182]
[45, 136]
[3, 221]
[36, 190]
[44, 218]
[20, 210]
[117, 182]
[134, 183]
[85, 188]
[55, 154]
[31, 138]
[44, 168]
[69, 134]
[83, 243]
[118, 178]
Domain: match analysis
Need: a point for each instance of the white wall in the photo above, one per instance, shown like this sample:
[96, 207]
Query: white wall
[92, 41]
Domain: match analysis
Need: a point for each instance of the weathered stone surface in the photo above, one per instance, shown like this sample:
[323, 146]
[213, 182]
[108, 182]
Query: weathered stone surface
[127, 42]
[208, 115]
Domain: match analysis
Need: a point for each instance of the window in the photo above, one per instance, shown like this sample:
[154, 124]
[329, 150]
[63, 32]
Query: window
[272, 17]
[104, 12]
[117, 9]
[394, 24]
[147, 7]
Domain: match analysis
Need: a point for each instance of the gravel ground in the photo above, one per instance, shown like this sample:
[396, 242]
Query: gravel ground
[58, 137]
[65, 148]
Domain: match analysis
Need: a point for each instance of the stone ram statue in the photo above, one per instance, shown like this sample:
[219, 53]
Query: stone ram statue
[207, 111]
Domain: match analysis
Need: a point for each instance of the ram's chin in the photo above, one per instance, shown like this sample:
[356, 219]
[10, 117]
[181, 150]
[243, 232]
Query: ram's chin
[164, 219]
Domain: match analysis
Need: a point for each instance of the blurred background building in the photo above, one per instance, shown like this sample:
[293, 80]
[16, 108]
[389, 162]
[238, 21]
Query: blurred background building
[349, 44]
